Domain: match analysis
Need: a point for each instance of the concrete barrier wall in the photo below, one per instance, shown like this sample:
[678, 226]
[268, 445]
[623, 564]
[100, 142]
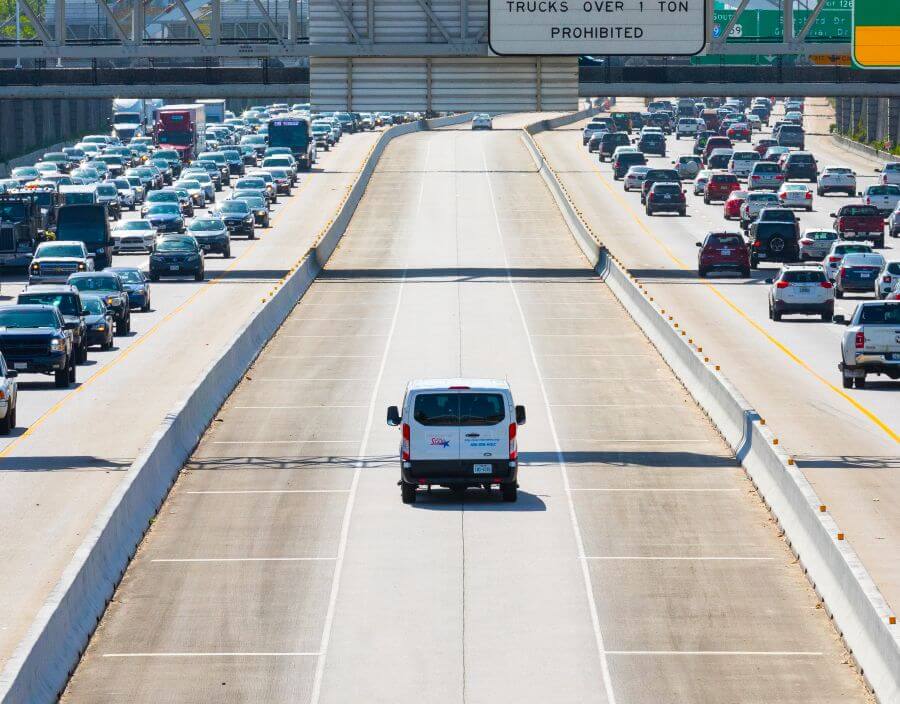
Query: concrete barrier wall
[41, 665]
[864, 149]
[859, 611]
[28, 128]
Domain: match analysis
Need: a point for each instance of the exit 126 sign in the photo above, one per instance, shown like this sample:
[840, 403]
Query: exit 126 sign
[876, 33]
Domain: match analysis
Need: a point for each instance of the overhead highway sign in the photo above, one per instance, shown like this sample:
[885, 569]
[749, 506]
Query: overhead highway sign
[604, 27]
[876, 34]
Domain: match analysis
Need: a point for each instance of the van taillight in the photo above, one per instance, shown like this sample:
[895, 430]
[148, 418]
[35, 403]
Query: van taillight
[513, 446]
[404, 447]
[860, 340]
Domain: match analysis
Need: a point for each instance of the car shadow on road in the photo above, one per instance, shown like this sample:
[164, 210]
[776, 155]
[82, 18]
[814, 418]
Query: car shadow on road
[628, 458]
[476, 500]
[843, 462]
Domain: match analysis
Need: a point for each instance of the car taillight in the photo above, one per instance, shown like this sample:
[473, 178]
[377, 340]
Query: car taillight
[779, 177]
[404, 447]
[842, 271]
[884, 178]
[755, 178]
[834, 259]
[809, 195]
[860, 340]
[513, 445]
[782, 284]
[887, 278]
[826, 284]
[840, 224]
[868, 200]
[757, 244]
[650, 196]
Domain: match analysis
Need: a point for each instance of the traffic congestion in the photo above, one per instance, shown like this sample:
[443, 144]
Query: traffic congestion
[743, 166]
[88, 232]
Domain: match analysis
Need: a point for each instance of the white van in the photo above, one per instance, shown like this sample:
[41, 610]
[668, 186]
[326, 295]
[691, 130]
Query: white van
[458, 433]
[742, 163]
[79, 195]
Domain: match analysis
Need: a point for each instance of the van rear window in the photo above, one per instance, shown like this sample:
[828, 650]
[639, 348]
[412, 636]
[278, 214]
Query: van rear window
[454, 409]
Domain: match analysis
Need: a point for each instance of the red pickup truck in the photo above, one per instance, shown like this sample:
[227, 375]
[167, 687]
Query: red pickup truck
[860, 222]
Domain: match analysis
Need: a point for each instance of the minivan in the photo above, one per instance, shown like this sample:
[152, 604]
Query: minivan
[458, 433]
[790, 136]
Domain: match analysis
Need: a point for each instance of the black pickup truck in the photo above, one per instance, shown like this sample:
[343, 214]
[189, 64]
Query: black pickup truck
[34, 339]
[68, 300]
[774, 236]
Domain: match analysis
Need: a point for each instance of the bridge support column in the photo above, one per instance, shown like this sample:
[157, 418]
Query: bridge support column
[856, 108]
[893, 120]
[842, 114]
[870, 119]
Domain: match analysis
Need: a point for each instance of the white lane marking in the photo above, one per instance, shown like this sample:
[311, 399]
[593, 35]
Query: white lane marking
[573, 334]
[309, 378]
[304, 319]
[753, 653]
[329, 337]
[321, 407]
[655, 490]
[560, 459]
[643, 440]
[679, 558]
[277, 442]
[642, 380]
[595, 354]
[617, 405]
[360, 460]
[272, 491]
[319, 356]
[212, 655]
[244, 559]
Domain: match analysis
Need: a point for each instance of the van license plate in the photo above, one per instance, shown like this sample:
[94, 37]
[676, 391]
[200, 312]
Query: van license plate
[483, 468]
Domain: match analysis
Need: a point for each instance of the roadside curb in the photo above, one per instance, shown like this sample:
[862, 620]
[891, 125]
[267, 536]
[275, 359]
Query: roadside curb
[860, 614]
[853, 146]
[42, 663]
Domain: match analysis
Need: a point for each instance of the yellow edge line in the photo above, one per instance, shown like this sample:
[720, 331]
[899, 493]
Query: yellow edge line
[737, 309]
[155, 328]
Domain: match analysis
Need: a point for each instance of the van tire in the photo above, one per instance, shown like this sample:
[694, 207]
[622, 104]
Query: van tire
[408, 493]
[510, 492]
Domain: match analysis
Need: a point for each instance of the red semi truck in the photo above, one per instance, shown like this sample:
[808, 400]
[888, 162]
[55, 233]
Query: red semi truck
[183, 128]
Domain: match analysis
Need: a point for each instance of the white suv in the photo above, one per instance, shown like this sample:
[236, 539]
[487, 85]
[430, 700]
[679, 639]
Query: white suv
[890, 174]
[801, 289]
[688, 127]
[841, 179]
[458, 433]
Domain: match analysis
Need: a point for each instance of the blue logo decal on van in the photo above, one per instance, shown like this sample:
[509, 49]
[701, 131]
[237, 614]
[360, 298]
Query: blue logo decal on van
[443, 442]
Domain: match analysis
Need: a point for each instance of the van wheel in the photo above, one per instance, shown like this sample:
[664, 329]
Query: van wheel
[860, 382]
[408, 493]
[848, 381]
[510, 492]
[61, 378]
[5, 425]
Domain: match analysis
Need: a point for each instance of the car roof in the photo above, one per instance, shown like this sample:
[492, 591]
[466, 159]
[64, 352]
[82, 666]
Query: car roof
[863, 258]
[106, 273]
[49, 288]
[29, 306]
[419, 384]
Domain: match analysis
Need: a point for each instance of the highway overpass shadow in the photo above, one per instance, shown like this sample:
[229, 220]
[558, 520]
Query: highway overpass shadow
[62, 463]
[287, 462]
[475, 500]
[631, 458]
[849, 462]
[458, 273]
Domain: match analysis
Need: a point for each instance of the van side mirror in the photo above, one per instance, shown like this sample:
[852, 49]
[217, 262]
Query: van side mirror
[85, 311]
[770, 281]
[840, 320]
[832, 215]
[393, 416]
[877, 171]
[520, 415]
[859, 194]
[11, 373]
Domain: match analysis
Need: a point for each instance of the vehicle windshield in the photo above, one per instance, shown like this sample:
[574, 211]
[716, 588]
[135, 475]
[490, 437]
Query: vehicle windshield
[821, 236]
[109, 191]
[60, 249]
[255, 202]
[130, 276]
[65, 302]
[881, 313]
[180, 138]
[206, 225]
[772, 215]
[93, 305]
[94, 283]
[859, 210]
[12, 211]
[168, 154]
[728, 240]
[852, 249]
[12, 318]
[234, 206]
[251, 183]
[162, 197]
[454, 409]
[804, 276]
[135, 225]
[175, 246]
[163, 209]
[883, 190]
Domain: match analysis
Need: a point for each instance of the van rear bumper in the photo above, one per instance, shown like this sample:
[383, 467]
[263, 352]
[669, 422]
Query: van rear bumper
[457, 472]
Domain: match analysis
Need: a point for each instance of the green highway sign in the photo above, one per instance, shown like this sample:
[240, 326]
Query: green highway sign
[876, 34]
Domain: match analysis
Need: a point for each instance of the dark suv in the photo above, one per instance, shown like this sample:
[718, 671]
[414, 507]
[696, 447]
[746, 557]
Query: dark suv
[800, 165]
[790, 136]
[723, 251]
[625, 161]
[666, 197]
[652, 143]
[67, 299]
[610, 141]
[774, 236]
[33, 338]
[657, 176]
[110, 288]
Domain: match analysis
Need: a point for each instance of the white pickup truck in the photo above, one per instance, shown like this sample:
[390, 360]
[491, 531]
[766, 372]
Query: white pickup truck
[871, 343]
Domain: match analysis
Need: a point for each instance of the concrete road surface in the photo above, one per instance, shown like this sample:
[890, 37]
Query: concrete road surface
[73, 446]
[847, 442]
[638, 565]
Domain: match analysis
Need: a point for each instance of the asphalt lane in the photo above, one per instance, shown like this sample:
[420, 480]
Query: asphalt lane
[73, 446]
[845, 441]
[637, 566]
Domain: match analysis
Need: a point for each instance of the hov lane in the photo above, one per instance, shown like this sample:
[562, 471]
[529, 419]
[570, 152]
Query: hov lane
[57, 475]
[787, 370]
[637, 566]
